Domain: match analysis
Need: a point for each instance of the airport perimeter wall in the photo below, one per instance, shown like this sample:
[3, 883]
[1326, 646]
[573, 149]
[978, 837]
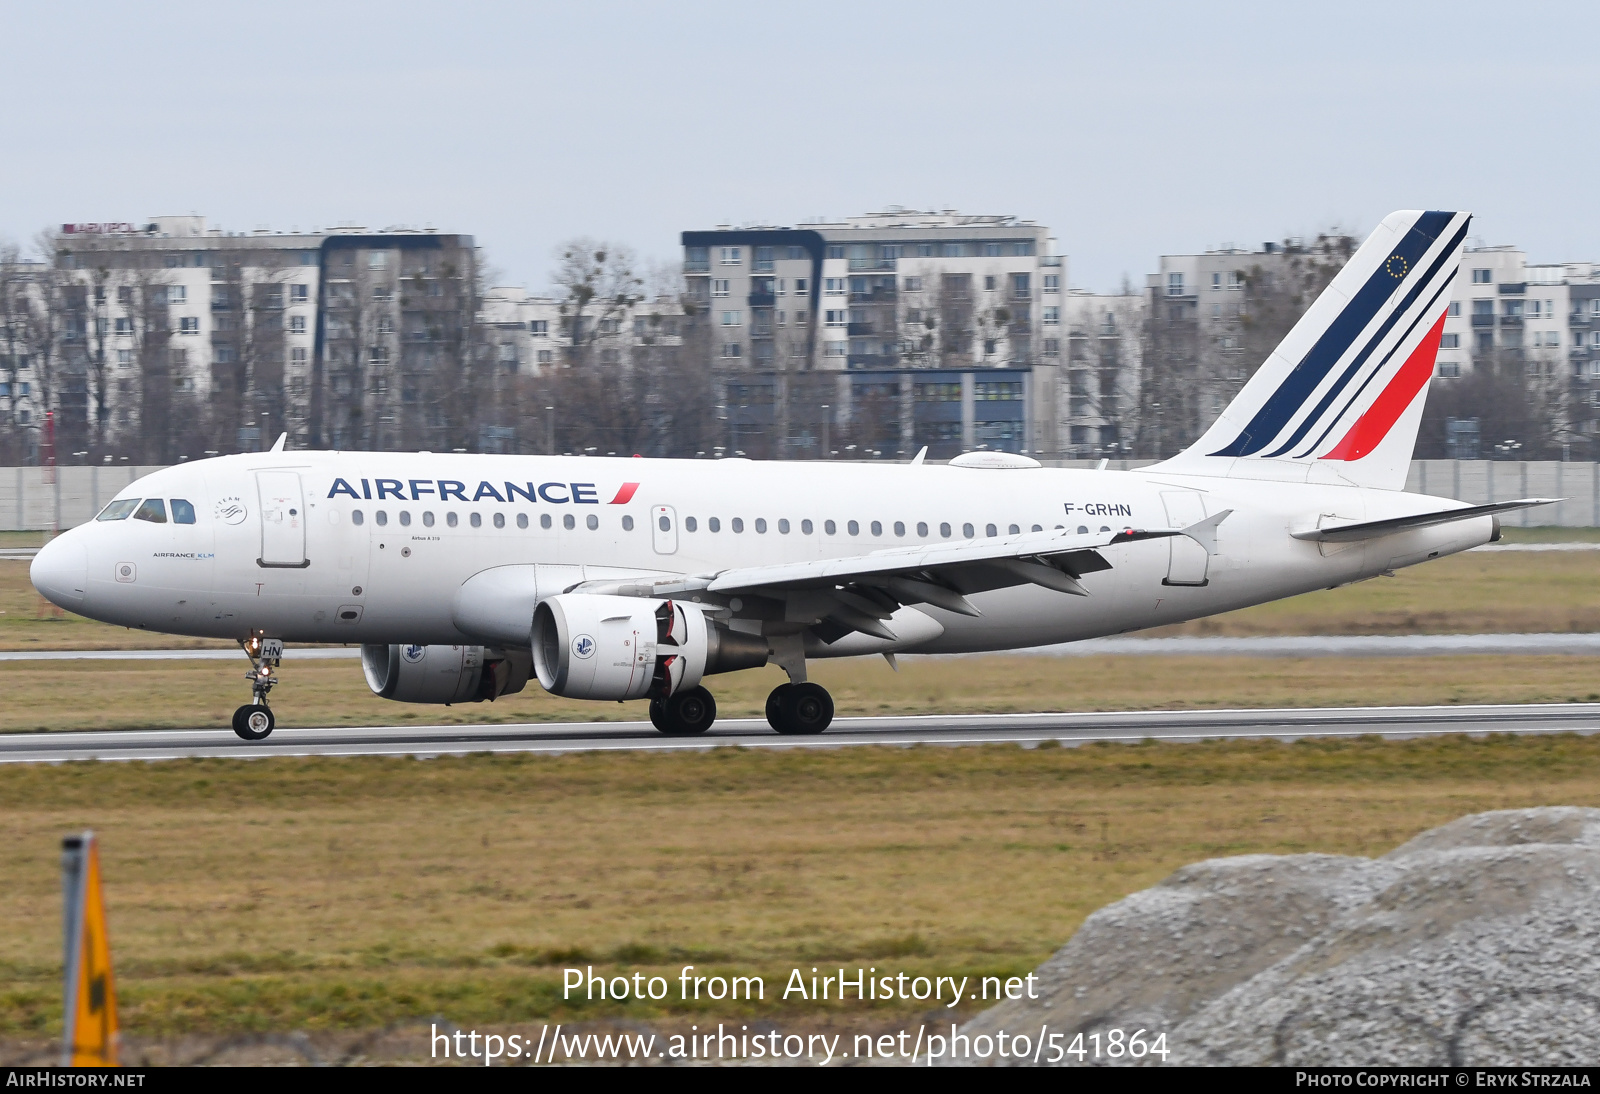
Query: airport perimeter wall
[28, 502]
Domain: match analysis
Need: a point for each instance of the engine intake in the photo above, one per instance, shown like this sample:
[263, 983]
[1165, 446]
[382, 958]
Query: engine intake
[588, 646]
[443, 674]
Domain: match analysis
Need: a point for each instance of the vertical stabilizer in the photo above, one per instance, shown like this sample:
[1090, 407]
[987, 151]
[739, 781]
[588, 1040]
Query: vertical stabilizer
[1341, 397]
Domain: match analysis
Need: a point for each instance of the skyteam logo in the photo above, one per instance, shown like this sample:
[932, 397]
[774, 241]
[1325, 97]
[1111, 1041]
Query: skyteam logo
[583, 646]
[230, 510]
[413, 654]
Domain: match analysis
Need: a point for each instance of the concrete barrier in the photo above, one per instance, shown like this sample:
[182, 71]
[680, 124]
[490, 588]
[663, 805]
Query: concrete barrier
[28, 502]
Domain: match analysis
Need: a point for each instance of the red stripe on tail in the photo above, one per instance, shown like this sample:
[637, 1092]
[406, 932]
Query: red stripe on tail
[1373, 426]
[625, 495]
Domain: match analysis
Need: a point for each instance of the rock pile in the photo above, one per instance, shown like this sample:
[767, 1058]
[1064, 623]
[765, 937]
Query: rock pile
[1476, 943]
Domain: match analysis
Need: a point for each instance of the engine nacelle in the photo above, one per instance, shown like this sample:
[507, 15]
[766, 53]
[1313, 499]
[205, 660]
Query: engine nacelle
[443, 674]
[588, 646]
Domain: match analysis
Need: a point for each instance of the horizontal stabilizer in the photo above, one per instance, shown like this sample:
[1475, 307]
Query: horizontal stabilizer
[1372, 529]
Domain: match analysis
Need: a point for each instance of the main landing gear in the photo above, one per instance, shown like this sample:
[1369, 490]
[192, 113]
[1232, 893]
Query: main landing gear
[687, 714]
[254, 720]
[792, 709]
[799, 709]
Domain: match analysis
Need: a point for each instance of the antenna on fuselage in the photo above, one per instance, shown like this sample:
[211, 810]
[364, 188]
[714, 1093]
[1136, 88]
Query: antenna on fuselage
[916, 461]
[277, 445]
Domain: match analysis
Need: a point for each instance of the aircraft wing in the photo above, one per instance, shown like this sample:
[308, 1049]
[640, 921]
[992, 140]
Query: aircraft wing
[835, 596]
[1372, 529]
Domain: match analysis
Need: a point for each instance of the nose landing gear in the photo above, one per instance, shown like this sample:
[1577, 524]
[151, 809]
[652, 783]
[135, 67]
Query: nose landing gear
[254, 720]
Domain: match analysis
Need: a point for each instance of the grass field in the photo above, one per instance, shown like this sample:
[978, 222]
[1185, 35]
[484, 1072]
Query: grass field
[351, 893]
[60, 695]
[1473, 593]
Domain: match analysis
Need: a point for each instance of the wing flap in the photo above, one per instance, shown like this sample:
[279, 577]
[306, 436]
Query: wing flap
[1073, 549]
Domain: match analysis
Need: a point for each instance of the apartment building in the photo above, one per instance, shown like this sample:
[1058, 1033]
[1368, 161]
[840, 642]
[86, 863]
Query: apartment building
[527, 334]
[938, 328]
[342, 336]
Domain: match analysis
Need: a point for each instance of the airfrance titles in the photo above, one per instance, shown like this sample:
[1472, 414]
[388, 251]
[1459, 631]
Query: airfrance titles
[553, 493]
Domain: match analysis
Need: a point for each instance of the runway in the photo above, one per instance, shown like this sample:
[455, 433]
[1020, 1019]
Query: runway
[1028, 730]
[1284, 645]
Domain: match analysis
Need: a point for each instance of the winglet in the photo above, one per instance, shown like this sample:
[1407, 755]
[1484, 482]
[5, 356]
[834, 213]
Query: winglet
[922, 453]
[1205, 532]
[277, 445]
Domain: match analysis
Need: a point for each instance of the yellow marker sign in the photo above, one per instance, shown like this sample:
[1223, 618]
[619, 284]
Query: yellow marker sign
[91, 996]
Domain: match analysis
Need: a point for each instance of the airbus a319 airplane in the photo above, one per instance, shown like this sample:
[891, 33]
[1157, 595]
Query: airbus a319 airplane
[617, 579]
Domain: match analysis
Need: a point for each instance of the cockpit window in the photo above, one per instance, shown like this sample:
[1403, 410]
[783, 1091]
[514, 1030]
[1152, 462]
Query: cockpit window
[153, 510]
[118, 510]
[182, 512]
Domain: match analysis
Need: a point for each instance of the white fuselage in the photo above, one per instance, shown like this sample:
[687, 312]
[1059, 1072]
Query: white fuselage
[378, 548]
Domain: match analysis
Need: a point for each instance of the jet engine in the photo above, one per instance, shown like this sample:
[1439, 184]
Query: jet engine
[443, 674]
[588, 646]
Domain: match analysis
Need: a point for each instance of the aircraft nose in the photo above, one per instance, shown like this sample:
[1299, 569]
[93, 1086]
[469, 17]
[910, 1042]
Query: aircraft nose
[60, 571]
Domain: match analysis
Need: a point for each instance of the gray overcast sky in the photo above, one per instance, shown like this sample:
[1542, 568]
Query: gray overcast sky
[1131, 130]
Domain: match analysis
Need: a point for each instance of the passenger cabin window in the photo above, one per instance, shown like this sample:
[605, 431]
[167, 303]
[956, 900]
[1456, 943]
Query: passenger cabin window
[382, 517]
[761, 525]
[591, 522]
[119, 510]
[522, 520]
[153, 510]
[544, 521]
[182, 512]
[944, 530]
[713, 524]
[689, 524]
[357, 517]
[1014, 530]
[476, 520]
[499, 520]
[922, 529]
[805, 527]
[899, 527]
[451, 519]
[427, 519]
[568, 523]
[627, 524]
[405, 518]
[738, 524]
[783, 527]
[829, 527]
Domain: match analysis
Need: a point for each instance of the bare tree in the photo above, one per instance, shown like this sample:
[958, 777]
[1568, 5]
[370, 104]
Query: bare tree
[600, 284]
[1521, 403]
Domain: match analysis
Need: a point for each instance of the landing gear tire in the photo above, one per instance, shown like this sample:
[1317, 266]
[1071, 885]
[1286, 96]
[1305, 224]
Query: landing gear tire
[775, 704]
[253, 722]
[687, 714]
[799, 709]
